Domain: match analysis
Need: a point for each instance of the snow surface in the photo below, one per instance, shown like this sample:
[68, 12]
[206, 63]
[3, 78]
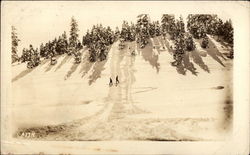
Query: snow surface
[153, 101]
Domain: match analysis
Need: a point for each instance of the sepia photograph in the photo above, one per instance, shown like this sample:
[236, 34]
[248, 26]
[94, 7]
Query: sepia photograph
[111, 72]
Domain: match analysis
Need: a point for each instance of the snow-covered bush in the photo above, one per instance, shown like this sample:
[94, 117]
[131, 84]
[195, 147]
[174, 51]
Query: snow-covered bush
[189, 42]
[204, 43]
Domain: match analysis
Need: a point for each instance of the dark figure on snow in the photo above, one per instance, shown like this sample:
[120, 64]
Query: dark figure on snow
[110, 82]
[116, 79]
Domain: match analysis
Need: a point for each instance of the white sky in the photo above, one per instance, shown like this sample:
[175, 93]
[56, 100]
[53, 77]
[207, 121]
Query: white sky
[38, 22]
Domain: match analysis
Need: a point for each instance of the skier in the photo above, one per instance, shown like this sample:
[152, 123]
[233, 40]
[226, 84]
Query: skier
[110, 82]
[117, 80]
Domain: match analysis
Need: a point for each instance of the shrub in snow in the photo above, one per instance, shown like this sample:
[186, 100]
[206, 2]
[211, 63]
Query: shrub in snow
[53, 61]
[189, 42]
[204, 43]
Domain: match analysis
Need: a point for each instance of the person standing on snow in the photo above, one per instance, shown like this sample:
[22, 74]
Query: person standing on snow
[117, 80]
[110, 82]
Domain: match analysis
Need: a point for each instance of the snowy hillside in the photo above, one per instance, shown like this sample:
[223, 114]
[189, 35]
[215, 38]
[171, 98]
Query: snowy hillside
[153, 101]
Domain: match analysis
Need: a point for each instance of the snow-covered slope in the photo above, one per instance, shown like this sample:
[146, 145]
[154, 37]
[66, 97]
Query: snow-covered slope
[193, 98]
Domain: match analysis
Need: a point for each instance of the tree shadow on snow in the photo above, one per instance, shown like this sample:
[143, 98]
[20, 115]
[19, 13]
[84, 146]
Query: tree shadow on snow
[167, 44]
[74, 66]
[198, 60]
[213, 51]
[27, 71]
[71, 70]
[157, 44]
[189, 65]
[22, 74]
[65, 59]
[221, 41]
[186, 65]
[97, 69]
[86, 65]
[148, 55]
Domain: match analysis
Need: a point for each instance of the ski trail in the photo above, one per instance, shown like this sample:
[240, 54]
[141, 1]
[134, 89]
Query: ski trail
[118, 94]
[72, 129]
[114, 96]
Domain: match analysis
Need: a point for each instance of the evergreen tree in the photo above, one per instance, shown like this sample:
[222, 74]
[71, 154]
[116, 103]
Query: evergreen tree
[124, 31]
[168, 25]
[73, 39]
[143, 24]
[34, 57]
[157, 28]
[189, 42]
[164, 21]
[228, 31]
[47, 50]
[152, 29]
[85, 39]
[55, 47]
[25, 55]
[167, 22]
[64, 43]
[59, 46]
[74, 43]
[179, 49]
[14, 43]
[93, 54]
[196, 25]
[42, 50]
[132, 32]
[181, 25]
[219, 27]
[117, 33]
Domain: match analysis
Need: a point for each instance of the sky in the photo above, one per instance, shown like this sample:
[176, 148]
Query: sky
[38, 22]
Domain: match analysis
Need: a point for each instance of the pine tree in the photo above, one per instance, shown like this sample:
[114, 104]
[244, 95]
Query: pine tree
[181, 25]
[179, 49]
[42, 51]
[59, 46]
[55, 44]
[133, 31]
[25, 55]
[64, 43]
[124, 31]
[73, 39]
[196, 25]
[157, 29]
[74, 43]
[117, 33]
[33, 57]
[143, 23]
[47, 50]
[168, 25]
[189, 42]
[14, 43]
[228, 31]
[164, 20]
